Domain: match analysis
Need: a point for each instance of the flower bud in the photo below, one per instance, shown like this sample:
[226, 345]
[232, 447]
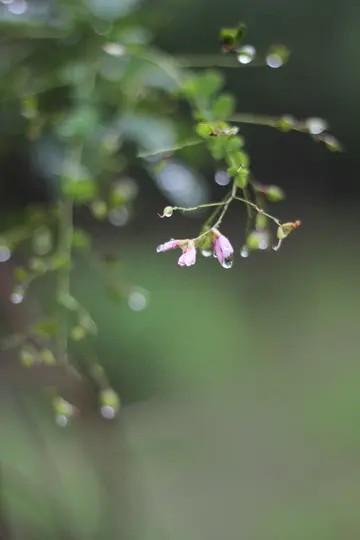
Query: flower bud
[167, 212]
[274, 193]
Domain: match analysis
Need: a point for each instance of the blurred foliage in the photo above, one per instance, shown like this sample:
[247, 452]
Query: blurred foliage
[240, 394]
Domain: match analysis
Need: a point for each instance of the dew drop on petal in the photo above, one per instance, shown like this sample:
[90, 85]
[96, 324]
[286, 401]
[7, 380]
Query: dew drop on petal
[244, 252]
[227, 263]
[206, 252]
[107, 412]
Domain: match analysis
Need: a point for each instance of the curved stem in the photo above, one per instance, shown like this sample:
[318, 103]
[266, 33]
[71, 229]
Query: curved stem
[258, 209]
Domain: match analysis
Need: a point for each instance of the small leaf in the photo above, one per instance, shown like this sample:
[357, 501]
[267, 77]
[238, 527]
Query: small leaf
[242, 178]
[223, 107]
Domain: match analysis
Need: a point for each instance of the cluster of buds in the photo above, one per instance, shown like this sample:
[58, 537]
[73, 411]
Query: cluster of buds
[218, 246]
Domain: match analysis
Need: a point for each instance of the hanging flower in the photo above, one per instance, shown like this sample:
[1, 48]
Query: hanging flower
[222, 249]
[171, 244]
[188, 258]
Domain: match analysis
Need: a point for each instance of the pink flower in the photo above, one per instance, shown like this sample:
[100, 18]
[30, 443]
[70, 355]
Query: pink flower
[188, 258]
[223, 250]
[171, 244]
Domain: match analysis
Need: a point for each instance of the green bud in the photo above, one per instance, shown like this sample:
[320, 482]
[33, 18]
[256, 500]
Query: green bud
[252, 241]
[168, 211]
[274, 193]
[27, 357]
[78, 333]
[286, 123]
[109, 403]
[62, 407]
[47, 356]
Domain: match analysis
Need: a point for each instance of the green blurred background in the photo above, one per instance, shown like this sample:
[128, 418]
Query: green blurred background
[240, 389]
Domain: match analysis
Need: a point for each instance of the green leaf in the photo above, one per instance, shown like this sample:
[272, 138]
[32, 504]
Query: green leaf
[237, 160]
[204, 85]
[78, 124]
[223, 107]
[204, 130]
[242, 178]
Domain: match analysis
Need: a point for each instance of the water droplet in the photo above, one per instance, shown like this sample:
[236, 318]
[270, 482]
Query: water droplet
[244, 252]
[227, 263]
[274, 61]
[316, 126]
[246, 54]
[206, 252]
[119, 216]
[16, 297]
[107, 412]
[222, 178]
[18, 7]
[5, 254]
[114, 49]
[61, 420]
[137, 300]
[263, 243]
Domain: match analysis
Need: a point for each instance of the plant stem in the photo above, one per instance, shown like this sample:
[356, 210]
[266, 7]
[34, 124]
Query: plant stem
[258, 209]
[216, 60]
